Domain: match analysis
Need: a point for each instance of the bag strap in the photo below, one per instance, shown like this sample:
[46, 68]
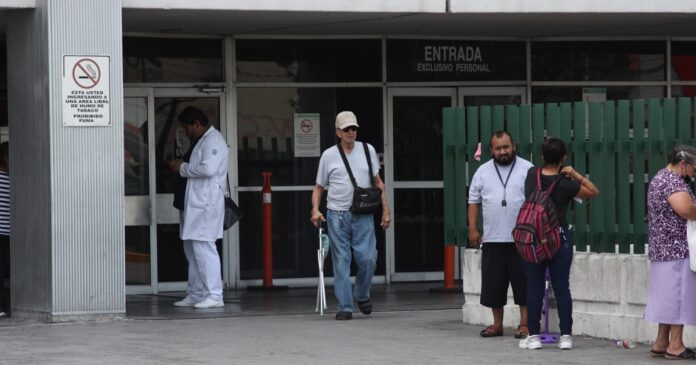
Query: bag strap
[369, 164]
[550, 188]
[345, 162]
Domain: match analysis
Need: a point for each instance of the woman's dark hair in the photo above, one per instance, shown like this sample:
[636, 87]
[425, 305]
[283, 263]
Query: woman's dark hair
[553, 151]
[682, 152]
[192, 114]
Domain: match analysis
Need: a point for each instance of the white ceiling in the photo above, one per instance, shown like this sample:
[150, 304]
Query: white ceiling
[412, 24]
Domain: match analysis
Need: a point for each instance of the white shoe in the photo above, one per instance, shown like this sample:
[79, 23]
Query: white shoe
[209, 303]
[186, 302]
[565, 342]
[532, 342]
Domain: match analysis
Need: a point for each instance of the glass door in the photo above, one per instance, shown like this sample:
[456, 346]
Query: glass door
[415, 244]
[154, 254]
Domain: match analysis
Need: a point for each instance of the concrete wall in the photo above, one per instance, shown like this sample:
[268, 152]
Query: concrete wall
[609, 293]
[67, 182]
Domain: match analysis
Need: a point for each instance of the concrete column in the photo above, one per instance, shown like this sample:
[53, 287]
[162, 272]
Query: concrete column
[67, 237]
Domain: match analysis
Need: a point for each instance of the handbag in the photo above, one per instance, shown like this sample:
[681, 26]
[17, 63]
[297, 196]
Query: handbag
[691, 238]
[232, 211]
[365, 200]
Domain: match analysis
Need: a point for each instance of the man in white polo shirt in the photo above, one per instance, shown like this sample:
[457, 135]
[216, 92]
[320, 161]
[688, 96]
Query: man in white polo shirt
[352, 236]
[498, 188]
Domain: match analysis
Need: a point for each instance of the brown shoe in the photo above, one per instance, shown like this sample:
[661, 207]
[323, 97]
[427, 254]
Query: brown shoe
[522, 331]
[491, 332]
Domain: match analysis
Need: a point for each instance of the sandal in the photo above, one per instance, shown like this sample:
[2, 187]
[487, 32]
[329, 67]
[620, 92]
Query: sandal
[686, 354]
[489, 332]
[522, 331]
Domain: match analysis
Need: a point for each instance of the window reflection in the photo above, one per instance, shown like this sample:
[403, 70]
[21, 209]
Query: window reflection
[265, 129]
[285, 60]
[172, 60]
[135, 152]
[598, 61]
[418, 229]
[170, 140]
[552, 94]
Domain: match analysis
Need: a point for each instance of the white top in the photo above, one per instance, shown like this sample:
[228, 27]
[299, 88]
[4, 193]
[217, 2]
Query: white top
[332, 174]
[205, 188]
[487, 190]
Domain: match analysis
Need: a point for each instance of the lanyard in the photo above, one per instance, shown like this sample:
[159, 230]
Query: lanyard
[504, 202]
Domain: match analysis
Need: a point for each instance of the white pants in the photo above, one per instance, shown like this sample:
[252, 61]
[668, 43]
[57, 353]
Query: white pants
[204, 275]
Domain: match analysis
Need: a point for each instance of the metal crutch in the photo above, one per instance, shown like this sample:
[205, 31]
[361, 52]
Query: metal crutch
[321, 255]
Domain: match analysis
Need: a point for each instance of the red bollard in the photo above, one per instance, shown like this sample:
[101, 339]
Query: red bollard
[448, 270]
[267, 237]
[449, 266]
[267, 207]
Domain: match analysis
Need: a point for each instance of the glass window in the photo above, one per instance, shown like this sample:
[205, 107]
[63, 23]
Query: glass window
[598, 61]
[170, 140]
[418, 137]
[418, 229]
[137, 255]
[265, 128]
[295, 240]
[554, 94]
[683, 91]
[683, 61]
[172, 60]
[284, 60]
[455, 60]
[135, 152]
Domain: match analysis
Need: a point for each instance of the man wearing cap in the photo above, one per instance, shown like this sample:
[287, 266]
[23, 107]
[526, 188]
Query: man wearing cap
[352, 236]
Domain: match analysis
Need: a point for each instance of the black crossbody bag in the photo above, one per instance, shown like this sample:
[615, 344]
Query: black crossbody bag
[365, 200]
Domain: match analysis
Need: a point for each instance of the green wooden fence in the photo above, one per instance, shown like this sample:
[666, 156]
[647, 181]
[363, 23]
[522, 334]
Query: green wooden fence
[620, 145]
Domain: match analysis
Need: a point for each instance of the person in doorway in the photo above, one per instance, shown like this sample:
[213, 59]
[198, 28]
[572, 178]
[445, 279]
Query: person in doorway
[200, 200]
[4, 222]
[672, 285]
[352, 236]
[497, 188]
[569, 185]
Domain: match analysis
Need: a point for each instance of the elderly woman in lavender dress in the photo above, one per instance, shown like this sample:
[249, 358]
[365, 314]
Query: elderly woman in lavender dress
[672, 285]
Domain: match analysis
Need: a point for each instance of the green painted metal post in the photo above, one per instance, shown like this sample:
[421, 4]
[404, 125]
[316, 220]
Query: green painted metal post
[609, 176]
[640, 228]
[597, 168]
[623, 198]
[579, 152]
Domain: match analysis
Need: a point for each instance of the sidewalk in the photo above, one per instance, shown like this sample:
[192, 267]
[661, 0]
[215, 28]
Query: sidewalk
[412, 334]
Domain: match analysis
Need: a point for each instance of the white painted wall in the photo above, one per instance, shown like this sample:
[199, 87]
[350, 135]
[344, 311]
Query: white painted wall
[609, 293]
[578, 6]
[362, 6]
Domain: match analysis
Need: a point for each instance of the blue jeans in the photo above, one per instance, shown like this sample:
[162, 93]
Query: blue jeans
[352, 237]
[559, 269]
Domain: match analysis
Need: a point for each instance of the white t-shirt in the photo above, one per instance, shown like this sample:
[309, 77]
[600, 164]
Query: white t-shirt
[333, 176]
[487, 189]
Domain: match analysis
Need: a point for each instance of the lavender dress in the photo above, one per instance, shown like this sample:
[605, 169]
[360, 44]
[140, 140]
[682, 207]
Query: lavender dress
[672, 285]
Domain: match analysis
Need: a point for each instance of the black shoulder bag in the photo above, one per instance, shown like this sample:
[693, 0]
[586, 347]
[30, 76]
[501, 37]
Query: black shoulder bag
[232, 212]
[365, 200]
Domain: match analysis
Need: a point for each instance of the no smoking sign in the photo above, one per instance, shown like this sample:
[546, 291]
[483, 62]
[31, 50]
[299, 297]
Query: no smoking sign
[86, 94]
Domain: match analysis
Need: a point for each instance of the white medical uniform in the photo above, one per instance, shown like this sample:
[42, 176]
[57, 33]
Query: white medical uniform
[203, 214]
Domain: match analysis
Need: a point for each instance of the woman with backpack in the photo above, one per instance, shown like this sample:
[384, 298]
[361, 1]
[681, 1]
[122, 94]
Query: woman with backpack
[672, 285]
[565, 184]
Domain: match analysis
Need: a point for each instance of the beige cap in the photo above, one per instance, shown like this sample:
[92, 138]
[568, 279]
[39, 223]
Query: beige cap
[346, 119]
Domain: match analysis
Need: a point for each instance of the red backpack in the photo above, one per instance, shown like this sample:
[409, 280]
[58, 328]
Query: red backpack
[536, 231]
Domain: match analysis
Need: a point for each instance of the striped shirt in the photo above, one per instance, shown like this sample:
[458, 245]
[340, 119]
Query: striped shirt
[4, 203]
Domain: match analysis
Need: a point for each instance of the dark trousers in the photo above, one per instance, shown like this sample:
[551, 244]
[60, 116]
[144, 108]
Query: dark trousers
[4, 267]
[559, 268]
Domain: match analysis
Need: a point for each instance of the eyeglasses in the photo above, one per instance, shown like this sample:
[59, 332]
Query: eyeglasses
[351, 128]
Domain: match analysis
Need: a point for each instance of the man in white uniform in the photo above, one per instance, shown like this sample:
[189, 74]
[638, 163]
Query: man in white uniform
[204, 169]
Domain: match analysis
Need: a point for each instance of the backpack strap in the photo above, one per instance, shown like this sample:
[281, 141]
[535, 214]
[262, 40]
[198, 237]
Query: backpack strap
[553, 184]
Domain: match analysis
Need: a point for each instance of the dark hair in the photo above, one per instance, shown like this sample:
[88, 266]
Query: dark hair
[501, 134]
[682, 152]
[192, 114]
[553, 151]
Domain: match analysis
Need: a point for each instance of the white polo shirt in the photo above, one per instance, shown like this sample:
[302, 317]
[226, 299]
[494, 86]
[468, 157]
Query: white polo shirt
[487, 189]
